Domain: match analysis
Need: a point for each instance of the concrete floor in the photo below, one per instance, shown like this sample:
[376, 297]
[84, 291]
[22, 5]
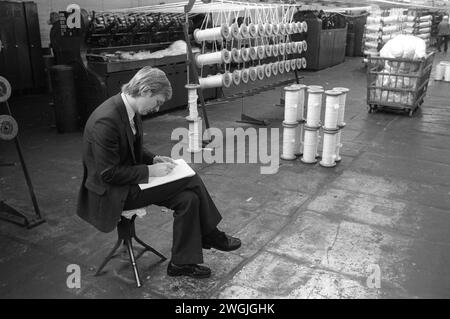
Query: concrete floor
[307, 231]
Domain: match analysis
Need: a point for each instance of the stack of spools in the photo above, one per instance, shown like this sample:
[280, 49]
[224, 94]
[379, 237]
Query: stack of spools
[443, 71]
[293, 121]
[312, 126]
[422, 27]
[195, 122]
[383, 26]
[333, 124]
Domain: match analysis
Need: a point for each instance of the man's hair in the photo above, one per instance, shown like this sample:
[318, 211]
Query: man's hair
[148, 80]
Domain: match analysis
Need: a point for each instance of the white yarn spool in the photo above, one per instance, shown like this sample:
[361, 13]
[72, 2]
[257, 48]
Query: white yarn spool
[253, 30]
[291, 103]
[281, 67]
[268, 49]
[245, 54]
[212, 34]
[243, 30]
[328, 149]
[261, 72]
[253, 54]
[288, 48]
[236, 55]
[215, 81]
[293, 64]
[267, 70]
[310, 143]
[287, 66]
[192, 101]
[275, 29]
[288, 141]
[299, 45]
[261, 50]
[294, 48]
[299, 27]
[282, 28]
[338, 146]
[440, 70]
[314, 106]
[261, 30]
[274, 67]
[281, 48]
[236, 77]
[294, 28]
[342, 101]
[253, 74]
[304, 63]
[304, 45]
[268, 29]
[235, 31]
[195, 136]
[245, 75]
[219, 57]
[298, 63]
[275, 50]
[304, 26]
[447, 72]
[289, 28]
[301, 101]
[299, 139]
[331, 109]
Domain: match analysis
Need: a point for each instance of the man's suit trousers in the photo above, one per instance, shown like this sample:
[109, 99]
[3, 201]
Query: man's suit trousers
[195, 214]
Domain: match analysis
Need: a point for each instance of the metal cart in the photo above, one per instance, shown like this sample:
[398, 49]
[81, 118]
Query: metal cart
[397, 84]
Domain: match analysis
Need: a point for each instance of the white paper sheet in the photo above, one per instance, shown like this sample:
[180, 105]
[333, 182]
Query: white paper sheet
[180, 171]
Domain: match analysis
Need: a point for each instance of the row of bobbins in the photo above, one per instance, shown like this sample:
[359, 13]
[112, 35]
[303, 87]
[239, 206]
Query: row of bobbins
[252, 73]
[251, 53]
[194, 120]
[244, 31]
[302, 137]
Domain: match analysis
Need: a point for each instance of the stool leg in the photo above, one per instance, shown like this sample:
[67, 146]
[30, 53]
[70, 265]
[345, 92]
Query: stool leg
[133, 262]
[147, 247]
[108, 258]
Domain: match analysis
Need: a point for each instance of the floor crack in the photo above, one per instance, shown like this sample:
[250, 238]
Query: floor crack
[334, 242]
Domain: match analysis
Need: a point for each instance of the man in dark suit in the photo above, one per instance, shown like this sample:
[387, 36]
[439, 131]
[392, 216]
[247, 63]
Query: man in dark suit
[115, 162]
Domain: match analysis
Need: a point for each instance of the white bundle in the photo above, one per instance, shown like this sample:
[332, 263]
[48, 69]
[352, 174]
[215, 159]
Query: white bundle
[373, 20]
[404, 46]
[372, 36]
[373, 27]
[371, 45]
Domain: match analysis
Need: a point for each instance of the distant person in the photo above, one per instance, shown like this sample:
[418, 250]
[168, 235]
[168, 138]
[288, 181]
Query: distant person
[443, 34]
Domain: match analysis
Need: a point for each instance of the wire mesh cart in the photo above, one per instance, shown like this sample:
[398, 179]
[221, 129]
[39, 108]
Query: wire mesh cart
[397, 84]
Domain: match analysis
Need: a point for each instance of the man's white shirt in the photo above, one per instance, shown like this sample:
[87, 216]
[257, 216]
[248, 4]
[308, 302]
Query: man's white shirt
[131, 113]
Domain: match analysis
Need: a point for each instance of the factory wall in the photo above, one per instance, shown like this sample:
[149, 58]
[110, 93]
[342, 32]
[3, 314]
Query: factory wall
[47, 6]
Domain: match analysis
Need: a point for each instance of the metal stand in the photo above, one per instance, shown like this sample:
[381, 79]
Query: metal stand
[126, 233]
[11, 214]
[193, 68]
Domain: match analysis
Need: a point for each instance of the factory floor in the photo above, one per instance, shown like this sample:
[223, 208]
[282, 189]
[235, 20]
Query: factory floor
[307, 231]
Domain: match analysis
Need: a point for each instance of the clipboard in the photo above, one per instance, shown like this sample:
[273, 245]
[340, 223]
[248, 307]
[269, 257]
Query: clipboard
[182, 170]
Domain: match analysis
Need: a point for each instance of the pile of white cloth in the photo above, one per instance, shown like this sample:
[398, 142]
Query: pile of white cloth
[177, 48]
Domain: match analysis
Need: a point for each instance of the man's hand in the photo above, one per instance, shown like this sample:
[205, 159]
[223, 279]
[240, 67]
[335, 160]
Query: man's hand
[160, 169]
[163, 159]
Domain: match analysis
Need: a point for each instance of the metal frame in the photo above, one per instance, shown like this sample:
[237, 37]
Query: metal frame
[193, 68]
[8, 212]
[126, 233]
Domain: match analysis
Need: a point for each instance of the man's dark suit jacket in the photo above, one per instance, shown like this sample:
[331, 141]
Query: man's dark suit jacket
[113, 160]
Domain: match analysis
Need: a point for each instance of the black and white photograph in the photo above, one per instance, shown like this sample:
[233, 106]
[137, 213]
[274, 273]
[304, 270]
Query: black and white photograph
[224, 156]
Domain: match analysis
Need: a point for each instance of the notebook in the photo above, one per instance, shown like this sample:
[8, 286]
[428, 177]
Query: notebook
[180, 171]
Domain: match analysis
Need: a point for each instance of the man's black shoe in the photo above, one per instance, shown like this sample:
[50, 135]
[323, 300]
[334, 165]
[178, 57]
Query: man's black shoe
[221, 241]
[191, 270]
